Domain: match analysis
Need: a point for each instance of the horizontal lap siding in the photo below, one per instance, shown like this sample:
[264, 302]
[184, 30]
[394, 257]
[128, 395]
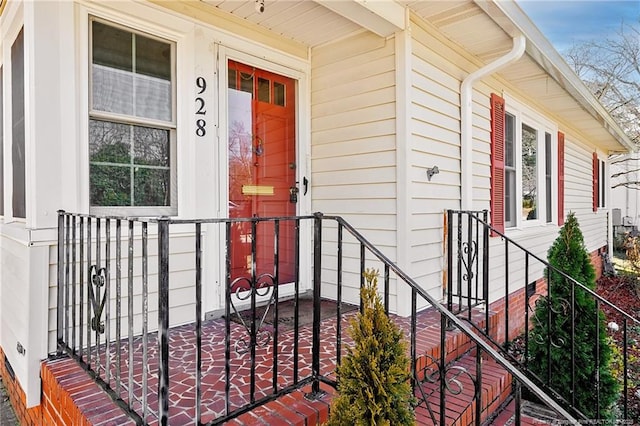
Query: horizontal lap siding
[353, 146]
[14, 301]
[181, 282]
[435, 141]
[579, 195]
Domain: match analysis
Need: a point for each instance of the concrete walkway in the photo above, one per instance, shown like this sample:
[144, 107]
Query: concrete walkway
[7, 416]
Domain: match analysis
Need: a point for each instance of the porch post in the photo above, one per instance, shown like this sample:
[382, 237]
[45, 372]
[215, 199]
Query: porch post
[163, 320]
[317, 267]
[59, 326]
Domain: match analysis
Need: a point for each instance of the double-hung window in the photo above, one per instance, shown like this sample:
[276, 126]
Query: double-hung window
[524, 188]
[131, 122]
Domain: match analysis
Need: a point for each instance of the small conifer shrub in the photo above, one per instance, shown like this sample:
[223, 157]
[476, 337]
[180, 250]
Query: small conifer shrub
[374, 386]
[568, 254]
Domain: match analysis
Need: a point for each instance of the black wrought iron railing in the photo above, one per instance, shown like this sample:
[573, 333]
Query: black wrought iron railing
[499, 277]
[131, 302]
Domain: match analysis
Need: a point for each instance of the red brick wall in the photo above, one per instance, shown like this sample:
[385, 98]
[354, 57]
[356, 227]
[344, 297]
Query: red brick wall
[596, 260]
[26, 417]
[69, 398]
[516, 313]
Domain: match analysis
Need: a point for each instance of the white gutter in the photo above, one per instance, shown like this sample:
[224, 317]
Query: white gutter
[466, 116]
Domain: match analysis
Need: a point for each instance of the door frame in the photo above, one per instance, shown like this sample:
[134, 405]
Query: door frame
[214, 296]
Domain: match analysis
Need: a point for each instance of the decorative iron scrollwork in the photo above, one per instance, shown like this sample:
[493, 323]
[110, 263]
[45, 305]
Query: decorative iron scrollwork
[98, 280]
[428, 382]
[469, 252]
[245, 289]
[560, 308]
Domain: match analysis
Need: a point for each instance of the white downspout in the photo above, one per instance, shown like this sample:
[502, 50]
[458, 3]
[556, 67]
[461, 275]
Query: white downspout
[466, 117]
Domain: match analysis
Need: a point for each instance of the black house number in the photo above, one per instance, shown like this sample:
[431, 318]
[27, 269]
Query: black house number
[201, 123]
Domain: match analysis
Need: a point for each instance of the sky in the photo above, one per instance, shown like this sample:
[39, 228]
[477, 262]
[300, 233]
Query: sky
[568, 22]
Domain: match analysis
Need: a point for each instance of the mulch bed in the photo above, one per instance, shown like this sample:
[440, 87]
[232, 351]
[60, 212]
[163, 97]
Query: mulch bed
[624, 292]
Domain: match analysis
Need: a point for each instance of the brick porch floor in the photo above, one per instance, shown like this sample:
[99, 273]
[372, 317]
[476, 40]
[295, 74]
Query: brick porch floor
[183, 375]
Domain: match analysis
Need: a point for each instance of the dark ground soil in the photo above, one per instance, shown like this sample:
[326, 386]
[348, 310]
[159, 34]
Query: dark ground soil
[624, 292]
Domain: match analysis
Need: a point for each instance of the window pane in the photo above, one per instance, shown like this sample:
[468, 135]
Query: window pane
[509, 138]
[548, 173]
[1, 146]
[246, 82]
[112, 47]
[232, 79]
[152, 98]
[153, 58]
[151, 187]
[17, 114]
[112, 69]
[602, 184]
[529, 172]
[153, 79]
[109, 185]
[278, 93]
[109, 142]
[113, 168]
[509, 172]
[151, 146]
[264, 93]
[510, 197]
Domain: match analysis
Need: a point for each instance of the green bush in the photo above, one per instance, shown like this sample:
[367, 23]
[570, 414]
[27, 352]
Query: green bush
[568, 254]
[374, 385]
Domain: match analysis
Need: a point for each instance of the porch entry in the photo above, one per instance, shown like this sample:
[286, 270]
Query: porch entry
[262, 174]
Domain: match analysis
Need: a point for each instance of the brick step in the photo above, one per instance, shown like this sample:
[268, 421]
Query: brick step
[293, 409]
[530, 414]
[460, 403]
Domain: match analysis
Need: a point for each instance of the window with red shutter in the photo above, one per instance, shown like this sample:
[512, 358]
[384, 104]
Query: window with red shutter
[560, 178]
[497, 162]
[596, 182]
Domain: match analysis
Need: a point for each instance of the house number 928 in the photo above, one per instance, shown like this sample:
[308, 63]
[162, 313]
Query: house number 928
[201, 123]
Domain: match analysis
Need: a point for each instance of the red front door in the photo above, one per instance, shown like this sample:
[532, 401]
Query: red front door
[262, 169]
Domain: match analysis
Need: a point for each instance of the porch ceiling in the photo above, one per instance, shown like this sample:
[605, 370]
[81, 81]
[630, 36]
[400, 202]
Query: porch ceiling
[484, 28]
[295, 20]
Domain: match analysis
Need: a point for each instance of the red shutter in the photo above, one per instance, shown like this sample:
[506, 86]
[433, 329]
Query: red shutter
[497, 162]
[560, 178]
[595, 181]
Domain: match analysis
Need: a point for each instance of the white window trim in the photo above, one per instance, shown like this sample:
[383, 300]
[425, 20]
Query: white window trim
[172, 209]
[525, 115]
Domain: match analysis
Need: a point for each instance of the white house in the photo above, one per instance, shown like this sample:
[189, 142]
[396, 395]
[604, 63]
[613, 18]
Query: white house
[143, 108]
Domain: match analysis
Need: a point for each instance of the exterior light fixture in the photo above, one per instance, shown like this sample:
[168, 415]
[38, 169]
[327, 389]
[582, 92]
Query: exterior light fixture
[432, 171]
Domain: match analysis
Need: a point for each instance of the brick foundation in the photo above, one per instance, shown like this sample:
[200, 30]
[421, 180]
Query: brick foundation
[516, 307]
[26, 416]
[70, 397]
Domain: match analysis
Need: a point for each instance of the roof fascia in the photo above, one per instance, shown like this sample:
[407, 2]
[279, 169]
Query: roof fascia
[512, 19]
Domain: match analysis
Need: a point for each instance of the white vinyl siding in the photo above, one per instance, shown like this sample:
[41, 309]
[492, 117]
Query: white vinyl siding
[353, 146]
[435, 141]
[181, 280]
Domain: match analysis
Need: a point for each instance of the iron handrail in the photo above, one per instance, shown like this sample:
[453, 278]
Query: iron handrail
[67, 221]
[551, 267]
[468, 258]
[453, 320]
